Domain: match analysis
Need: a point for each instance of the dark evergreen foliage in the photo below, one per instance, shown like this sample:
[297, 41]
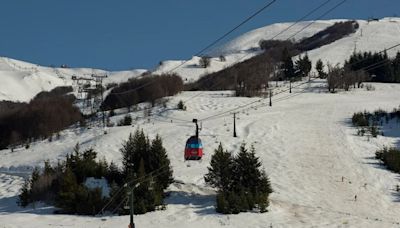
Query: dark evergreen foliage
[63, 185]
[220, 171]
[181, 105]
[148, 162]
[241, 183]
[287, 66]
[368, 122]
[390, 158]
[126, 121]
[303, 65]
[319, 66]
[378, 65]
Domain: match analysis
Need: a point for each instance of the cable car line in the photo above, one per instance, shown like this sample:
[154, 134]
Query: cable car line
[269, 4]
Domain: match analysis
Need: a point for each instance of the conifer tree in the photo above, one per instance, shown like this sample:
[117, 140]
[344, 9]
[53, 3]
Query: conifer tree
[66, 198]
[320, 69]
[24, 196]
[241, 183]
[220, 171]
[143, 195]
[135, 148]
[287, 64]
[161, 163]
[303, 64]
[247, 168]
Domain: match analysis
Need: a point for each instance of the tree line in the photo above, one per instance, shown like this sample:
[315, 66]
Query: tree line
[370, 122]
[251, 77]
[146, 168]
[148, 88]
[242, 185]
[359, 68]
[44, 115]
[379, 66]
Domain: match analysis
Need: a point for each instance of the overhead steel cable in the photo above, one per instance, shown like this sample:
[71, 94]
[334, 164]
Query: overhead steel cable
[138, 180]
[318, 18]
[278, 34]
[370, 67]
[301, 19]
[386, 49]
[269, 4]
[250, 103]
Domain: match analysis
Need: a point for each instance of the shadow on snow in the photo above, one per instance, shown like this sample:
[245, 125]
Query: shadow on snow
[202, 204]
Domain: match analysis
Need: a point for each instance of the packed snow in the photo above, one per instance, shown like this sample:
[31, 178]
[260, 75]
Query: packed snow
[21, 81]
[305, 141]
[374, 36]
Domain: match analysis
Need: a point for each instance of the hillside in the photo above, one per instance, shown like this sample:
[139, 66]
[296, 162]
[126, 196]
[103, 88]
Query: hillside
[305, 141]
[240, 49]
[20, 81]
[370, 36]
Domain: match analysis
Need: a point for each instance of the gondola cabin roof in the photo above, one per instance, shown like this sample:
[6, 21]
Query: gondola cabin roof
[194, 141]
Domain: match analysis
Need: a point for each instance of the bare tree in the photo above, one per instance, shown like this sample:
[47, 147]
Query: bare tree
[334, 77]
[205, 61]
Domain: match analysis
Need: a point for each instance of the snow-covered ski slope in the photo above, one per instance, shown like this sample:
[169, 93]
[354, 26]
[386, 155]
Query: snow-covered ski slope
[374, 36]
[305, 141]
[370, 36]
[239, 49]
[21, 81]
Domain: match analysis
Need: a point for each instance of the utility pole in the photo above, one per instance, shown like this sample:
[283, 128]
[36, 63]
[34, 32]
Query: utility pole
[270, 97]
[234, 125]
[131, 223]
[131, 211]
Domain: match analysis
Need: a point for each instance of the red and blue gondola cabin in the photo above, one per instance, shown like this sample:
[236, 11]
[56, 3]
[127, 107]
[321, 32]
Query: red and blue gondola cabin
[193, 149]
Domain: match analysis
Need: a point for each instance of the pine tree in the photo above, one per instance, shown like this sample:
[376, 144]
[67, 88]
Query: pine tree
[135, 148]
[114, 174]
[161, 163]
[287, 64]
[241, 183]
[247, 169]
[320, 69]
[147, 164]
[303, 65]
[143, 196]
[67, 198]
[24, 196]
[220, 171]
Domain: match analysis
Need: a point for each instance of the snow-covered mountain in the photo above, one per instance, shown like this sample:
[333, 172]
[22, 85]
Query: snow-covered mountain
[370, 36]
[21, 81]
[305, 142]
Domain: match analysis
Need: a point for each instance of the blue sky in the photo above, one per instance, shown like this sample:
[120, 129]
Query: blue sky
[127, 34]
